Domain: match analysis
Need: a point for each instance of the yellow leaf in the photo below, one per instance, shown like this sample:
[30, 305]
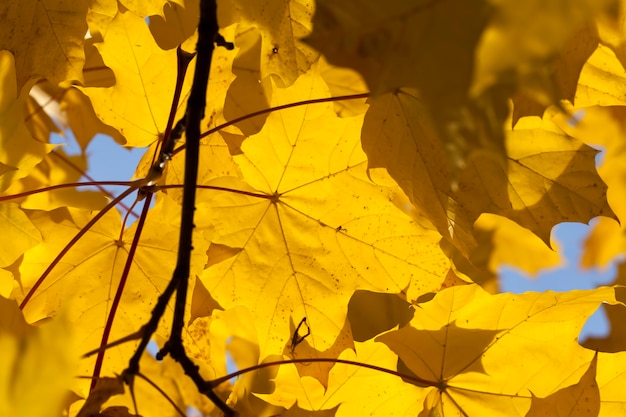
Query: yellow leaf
[423, 45]
[494, 353]
[603, 244]
[145, 8]
[343, 82]
[105, 388]
[282, 25]
[83, 121]
[56, 168]
[372, 313]
[19, 152]
[559, 80]
[176, 24]
[167, 375]
[521, 36]
[501, 241]
[548, 177]
[610, 377]
[138, 105]
[399, 135]
[394, 44]
[551, 179]
[603, 126]
[579, 400]
[615, 340]
[46, 38]
[601, 80]
[17, 229]
[313, 227]
[249, 89]
[90, 275]
[355, 390]
[37, 364]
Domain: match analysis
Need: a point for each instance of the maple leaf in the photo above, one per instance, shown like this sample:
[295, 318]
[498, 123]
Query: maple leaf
[281, 25]
[37, 363]
[521, 38]
[297, 233]
[501, 241]
[600, 80]
[389, 44]
[19, 152]
[398, 134]
[460, 362]
[139, 103]
[46, 38]
[558, 80]
[90, 294]
[335, 291]
[145, 8]
[605, 240]
[582, 398]
[484, 366]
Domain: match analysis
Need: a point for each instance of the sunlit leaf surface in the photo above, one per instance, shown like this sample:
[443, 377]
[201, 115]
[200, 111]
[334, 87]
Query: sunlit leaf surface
[366, 169]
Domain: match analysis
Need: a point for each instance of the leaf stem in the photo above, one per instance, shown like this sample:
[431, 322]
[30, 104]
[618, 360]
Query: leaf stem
[163, 393]
[133, 184]
[273, 109]
[217, 188]
[68, 162]
[414, 379]
[120, 289]
[129, 338]
[72, 242]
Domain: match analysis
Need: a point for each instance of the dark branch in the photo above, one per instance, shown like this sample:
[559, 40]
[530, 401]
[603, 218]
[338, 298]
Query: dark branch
[208, 36]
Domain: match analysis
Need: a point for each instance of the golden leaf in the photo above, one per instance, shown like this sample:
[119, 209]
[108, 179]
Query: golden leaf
[37, 364]
[46, 38]
[138, 104]
[19, 152]
[282, 24]
[494, 353]
[303, 222]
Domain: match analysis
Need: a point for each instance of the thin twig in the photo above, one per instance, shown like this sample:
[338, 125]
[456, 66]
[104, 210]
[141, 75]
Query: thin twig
[72, 242]
[106, 192]
[120, 289]
[411, 378]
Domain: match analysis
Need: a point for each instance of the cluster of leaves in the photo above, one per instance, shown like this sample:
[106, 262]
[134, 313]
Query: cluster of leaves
[348, 222]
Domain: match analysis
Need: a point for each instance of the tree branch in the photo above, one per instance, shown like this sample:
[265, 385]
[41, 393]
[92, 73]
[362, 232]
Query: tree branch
[208, 36]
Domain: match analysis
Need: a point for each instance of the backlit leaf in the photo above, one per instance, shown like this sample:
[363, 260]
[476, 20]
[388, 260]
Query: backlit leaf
[37, 364]
[19, 152]
[339, 234]
[145, 8]
[77, 278]
[475, 370]
[145, 76]
[579, 400]
[504, 242]
[16, 228]
[46, 38]
[549, 177]
[299, 234]
[605, 240]
[282, 24]
[601, 80]
[389, 43]
[522, 37]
